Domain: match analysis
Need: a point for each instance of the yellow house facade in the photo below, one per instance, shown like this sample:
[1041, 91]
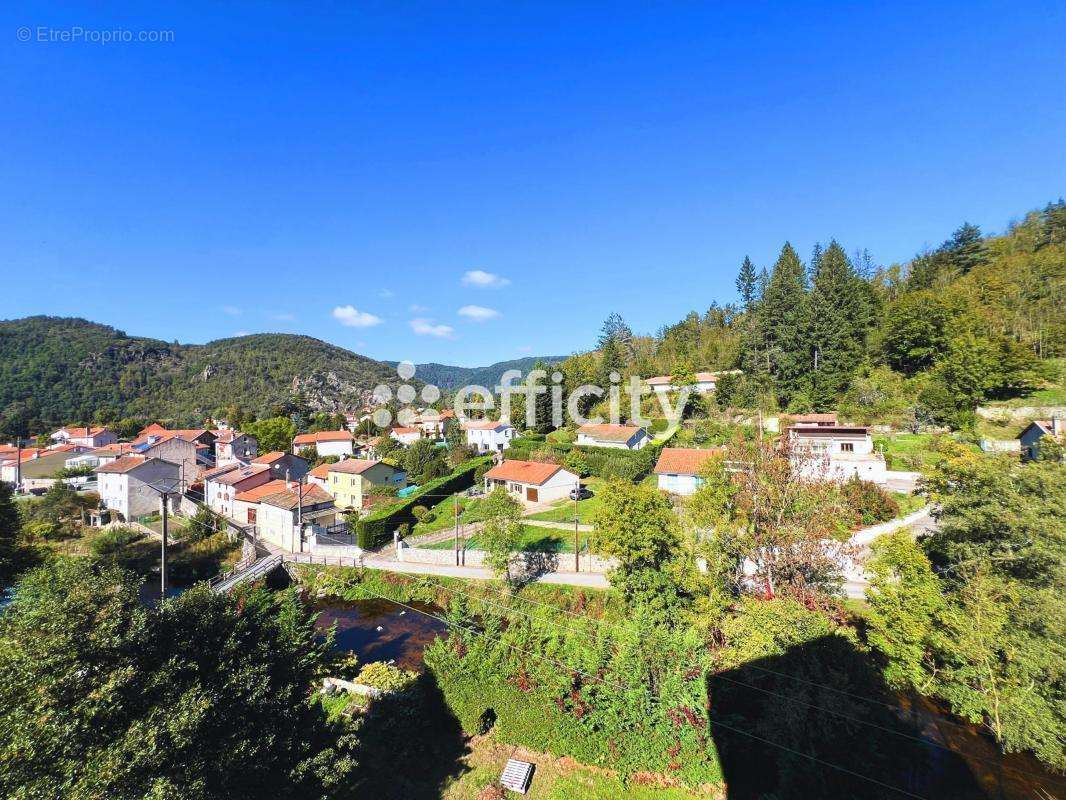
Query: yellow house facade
[348, 481]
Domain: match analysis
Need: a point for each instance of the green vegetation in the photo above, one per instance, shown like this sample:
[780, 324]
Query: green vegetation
[57, 371]
[188, 701]
[563, 510]
[531, 539]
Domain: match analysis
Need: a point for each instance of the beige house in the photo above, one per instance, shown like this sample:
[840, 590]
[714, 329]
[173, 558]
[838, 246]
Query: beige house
[835, 452]
[326, 443]
[349, 480]
[90, 437]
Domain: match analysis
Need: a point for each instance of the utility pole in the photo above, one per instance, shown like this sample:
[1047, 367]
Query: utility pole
[456, 530]
[163, 554]
[577, 550]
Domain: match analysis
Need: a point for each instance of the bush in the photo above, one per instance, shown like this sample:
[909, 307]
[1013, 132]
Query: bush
[868, 502]
[385, 677]
[419, 513]
[112, 541]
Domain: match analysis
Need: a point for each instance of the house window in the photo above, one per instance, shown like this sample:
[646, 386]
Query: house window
[847, 447]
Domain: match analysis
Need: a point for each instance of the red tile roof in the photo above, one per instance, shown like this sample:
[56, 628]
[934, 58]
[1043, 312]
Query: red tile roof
[81, 433]
[405, 429]
[255, 494]
[353, 466]
[815, 419]
[321, 471]
[233, 477]
[287, 498]
[610, 433]
[269, 458]
[122, 465]
[826, 430]
[684, 460]
[532, 472]
[323, 436]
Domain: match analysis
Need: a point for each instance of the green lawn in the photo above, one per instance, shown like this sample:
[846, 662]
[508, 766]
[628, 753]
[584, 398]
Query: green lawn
[443, 514]
[534, 539]
[563, 510]
[911, 452]
[554, 779]
[908, 503]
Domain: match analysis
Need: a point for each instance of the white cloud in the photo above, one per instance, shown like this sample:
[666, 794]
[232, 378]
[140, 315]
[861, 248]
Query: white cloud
[478, 313]
[233, 311]
[425, 327]
[478, 277]
[415, 308]
[353, 318]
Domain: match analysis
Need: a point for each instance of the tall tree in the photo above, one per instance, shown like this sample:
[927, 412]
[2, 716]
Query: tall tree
[748, 284]
[776, 350]
[838, 322]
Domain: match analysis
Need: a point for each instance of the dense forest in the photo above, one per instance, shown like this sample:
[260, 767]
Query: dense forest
[977, 319]
[446, 376]
[57, 370]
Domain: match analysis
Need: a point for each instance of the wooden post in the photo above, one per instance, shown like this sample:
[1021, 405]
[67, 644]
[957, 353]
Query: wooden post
[456, 498]
[163, 553]
[577, 549]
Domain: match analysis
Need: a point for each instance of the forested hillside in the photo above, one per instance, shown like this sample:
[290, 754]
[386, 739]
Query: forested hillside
[57, 370]
[450, 377]
[977, 319]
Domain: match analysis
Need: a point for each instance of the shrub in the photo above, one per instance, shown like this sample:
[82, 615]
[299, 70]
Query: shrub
[385, 677]
[419, 513]
[576, 462]
[868, 502]
[112, 541]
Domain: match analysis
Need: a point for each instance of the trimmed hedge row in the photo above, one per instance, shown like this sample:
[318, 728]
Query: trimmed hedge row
[603, 462]
[376, 529]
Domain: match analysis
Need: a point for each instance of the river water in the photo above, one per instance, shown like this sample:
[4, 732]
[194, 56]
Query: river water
[380, 630]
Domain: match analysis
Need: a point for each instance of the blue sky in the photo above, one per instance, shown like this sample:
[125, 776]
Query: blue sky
[336, 169]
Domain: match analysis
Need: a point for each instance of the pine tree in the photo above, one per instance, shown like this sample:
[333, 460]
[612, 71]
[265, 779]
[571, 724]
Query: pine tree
[747, 284]
[965, 249]
[776, 351]
[614, 327]
[837, 326]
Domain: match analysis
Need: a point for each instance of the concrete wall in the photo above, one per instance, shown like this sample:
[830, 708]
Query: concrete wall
[558, 562]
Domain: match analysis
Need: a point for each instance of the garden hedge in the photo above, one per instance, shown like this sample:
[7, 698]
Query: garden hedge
[376, 529]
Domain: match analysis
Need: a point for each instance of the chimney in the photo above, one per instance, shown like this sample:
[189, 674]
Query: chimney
[1056, 426]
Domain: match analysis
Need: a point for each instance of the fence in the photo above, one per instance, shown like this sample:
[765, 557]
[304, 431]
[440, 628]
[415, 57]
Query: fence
[529, 560]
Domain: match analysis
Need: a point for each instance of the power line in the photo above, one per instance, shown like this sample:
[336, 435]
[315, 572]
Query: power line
[623, 688]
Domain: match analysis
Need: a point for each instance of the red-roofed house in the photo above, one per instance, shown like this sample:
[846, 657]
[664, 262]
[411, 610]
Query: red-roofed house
[706, 382]
[678, 468]
[327, 443]
[531, 481]
[285, 466]
[275, 509]
[406, 435]
[620, 437]
[232, 446]
[223, 484]
[347, 481]
[91, 437]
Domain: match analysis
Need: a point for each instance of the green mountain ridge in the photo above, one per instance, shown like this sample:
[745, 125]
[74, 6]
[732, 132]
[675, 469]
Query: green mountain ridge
[446, 376]
[58, 370]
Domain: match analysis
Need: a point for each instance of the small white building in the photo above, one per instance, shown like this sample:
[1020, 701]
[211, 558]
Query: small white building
[532, 481]
[835, 452]
[90, 437]
[326, 443]
[678, 468]
[620, 437]
[125, 485]
[488, 436]
[406, 435]
[706, 382]
[223, 484]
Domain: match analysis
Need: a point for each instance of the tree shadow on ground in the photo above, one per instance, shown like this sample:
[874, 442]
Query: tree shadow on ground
[411, 746]
[819, 722]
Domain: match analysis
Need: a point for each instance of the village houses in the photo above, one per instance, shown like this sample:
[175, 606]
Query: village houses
[406, 435]
[706, 382]
[278, 508]
[232, 446]
[678, 468]
[835, 452]
[285, 466]
[89, 437]
[223, 484]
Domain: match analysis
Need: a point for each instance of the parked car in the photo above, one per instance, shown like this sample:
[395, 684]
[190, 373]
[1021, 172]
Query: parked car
[580, 494]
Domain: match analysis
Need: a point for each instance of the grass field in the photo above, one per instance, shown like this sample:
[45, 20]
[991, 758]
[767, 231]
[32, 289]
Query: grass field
[910, 452]
[444, 515]
[534, 539]
[563, 510]
[554, 778]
